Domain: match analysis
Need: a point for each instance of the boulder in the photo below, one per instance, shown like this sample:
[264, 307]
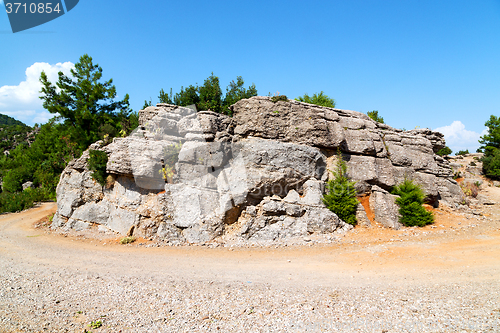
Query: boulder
[384, 207]
[187, 176]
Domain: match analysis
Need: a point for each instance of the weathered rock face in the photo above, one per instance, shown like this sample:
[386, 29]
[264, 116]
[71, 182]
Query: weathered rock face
[189, 176]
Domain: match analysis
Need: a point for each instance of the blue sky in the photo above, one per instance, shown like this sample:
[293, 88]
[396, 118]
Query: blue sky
[419, 63]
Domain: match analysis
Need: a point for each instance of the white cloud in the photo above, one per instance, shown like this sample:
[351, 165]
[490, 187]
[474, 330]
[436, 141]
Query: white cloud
[22, 101]
[458, 138]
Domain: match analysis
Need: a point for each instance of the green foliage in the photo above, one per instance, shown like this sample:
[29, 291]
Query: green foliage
[490, 145]
[83, 102]
[374, 115]
[171, 156]
[87, 111]
[9, 121]
[340, 195]
[491, 164]
[235, 91]
[318, 99]
[444, 151]
[278, 98]
[127, 240]
[146, 104]
[188, 96]
[470, 189]
[491, 140]
[462, 152]
[13, 133]
[42, 162]
[411, 198]
[209, 96]
[97, 163]
[16, 202]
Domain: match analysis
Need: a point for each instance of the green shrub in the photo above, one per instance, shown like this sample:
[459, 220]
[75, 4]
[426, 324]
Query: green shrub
[462, 152]
[16, 202]
[445, 151]
[340, 195]
[278, 98]
[97, 163]
[411, 198]
[491, 164]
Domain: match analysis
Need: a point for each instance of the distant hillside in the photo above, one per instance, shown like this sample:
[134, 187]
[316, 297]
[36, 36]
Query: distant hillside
[13, 132]
[6, 120]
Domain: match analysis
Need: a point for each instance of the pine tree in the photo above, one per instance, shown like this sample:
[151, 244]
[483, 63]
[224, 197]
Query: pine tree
[340, 195]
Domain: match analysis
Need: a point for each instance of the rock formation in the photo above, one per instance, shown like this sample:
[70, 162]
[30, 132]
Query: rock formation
[187, 176]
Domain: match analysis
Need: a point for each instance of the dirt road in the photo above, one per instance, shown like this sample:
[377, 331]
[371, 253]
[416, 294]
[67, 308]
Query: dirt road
[443, 278]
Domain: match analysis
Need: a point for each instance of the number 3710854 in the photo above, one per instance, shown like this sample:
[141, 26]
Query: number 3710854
[33, 8]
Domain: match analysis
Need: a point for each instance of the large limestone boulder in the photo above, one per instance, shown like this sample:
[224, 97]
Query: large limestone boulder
[187, 176]
[384, 207]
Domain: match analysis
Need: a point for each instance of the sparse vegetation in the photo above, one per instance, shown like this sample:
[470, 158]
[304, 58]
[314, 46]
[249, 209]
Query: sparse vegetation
[462, 152]
[318, 99]
[278, 98]
[340, 195]
[127, 240]
[411, 198]
[470, 189]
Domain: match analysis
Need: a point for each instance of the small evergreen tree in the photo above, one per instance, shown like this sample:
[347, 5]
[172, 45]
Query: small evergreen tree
[97, 163]
[83, 101]
[210, 95]
[235, 92]
[340, 195]
[319, 99]
[374, 115]
[411, 198]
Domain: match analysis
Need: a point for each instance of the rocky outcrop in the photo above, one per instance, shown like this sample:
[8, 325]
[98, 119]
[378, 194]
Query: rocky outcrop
[188, 176]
